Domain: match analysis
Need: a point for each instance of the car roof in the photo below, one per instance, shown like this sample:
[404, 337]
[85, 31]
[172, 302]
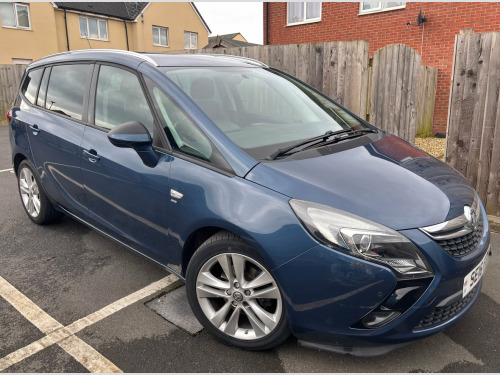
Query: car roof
[133, 59]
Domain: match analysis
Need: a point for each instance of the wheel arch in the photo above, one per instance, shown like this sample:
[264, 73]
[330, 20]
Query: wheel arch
[200, 235]
[18, 158]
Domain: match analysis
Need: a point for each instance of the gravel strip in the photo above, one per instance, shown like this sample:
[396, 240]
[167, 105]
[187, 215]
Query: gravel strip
[433, 146]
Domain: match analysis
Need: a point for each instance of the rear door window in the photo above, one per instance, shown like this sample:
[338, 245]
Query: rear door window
[66, 90]
[30, 84]
[120, 99]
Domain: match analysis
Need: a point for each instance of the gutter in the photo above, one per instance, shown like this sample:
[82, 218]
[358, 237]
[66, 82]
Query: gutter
[126, 34]
[66, 27]
[266, 42]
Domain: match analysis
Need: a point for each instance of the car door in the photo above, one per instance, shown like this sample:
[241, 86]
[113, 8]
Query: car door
[199, 175]
[55, 130]
[126, 198]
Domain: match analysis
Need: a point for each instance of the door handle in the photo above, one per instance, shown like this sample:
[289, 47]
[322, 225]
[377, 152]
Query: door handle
[91, 155]
[34, 129]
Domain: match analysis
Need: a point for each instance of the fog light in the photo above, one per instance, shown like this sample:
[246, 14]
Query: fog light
[379, 318]
[404, 295]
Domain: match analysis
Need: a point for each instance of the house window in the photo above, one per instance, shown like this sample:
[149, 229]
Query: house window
[190, 40]
[367, 7]
[303, 12]
[15, 15]
[160, 36]
[93, 28]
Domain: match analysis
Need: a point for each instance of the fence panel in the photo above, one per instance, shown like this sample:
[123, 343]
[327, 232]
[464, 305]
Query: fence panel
[395, 81]
[473, 134]
[10, 76]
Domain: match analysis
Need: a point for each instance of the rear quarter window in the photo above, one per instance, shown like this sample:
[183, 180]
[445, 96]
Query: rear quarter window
[30, 84]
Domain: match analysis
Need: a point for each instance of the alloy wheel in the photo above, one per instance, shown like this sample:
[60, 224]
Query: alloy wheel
[239, 296]
[30, 194]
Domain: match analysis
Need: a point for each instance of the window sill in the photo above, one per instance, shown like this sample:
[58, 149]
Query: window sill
[380, 10]
[303, 22]
[99, 40]
[17, 28]
[160, 45]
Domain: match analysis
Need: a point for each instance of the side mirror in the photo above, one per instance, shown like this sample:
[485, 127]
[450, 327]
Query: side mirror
[134, 135]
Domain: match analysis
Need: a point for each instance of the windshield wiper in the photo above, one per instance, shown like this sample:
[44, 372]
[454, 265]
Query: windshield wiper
[322, 140]
[340, 137]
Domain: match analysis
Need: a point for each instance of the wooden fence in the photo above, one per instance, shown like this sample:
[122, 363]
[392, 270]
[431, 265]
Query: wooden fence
[426, 96]
[392, 93]
[338, 69]
[473, 133]
[10, 76]
[395, 76]
[389, 90]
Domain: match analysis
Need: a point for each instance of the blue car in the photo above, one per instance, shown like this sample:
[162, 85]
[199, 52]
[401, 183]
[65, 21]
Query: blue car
[282, 211]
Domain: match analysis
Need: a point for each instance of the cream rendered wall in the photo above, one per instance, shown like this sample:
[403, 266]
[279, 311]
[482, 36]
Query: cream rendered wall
[116, 33]
[240, 38]
[177, 17]
[48, 33]
[33, 44]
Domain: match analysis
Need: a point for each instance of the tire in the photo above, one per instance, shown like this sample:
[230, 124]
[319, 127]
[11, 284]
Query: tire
[226, 300]
[33, 197]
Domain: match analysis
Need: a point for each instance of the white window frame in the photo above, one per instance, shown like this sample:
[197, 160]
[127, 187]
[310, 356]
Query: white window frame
[14, 8]
[191, 47]
[98, 28]
[310, 20]
[381, 8]
[159, 40]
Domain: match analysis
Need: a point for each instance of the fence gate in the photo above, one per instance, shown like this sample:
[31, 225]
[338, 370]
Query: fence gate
[473, 133]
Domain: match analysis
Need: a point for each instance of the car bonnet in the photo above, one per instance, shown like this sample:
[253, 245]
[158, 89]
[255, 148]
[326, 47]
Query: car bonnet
[388, 181]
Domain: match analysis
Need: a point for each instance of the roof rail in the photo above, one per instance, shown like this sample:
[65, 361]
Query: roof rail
[119, 51]
[247, 59]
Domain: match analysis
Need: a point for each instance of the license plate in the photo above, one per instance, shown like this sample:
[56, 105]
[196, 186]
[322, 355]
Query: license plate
[471, 280]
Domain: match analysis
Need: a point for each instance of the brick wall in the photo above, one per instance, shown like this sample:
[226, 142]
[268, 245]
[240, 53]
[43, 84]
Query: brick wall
[340, 21]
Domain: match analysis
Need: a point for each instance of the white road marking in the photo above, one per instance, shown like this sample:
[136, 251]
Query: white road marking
[7, 170]
[65, 336]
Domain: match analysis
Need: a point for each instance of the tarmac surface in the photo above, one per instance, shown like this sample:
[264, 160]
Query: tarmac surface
[64, 273]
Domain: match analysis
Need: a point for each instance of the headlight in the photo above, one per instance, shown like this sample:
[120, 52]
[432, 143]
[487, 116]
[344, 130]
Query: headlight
[362, 238]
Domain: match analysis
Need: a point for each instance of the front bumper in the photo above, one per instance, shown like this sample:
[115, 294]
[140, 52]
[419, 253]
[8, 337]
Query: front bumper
[327, 293]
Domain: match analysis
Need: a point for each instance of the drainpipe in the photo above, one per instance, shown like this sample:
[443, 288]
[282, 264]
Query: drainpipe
[267, 24]
[66, 27]
[126, 34]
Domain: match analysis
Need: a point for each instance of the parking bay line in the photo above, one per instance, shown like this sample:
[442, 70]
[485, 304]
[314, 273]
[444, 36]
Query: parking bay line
[6, 170]
[65, 337]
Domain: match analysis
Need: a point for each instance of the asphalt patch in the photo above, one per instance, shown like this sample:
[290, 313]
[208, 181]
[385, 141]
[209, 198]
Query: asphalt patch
[174, 307]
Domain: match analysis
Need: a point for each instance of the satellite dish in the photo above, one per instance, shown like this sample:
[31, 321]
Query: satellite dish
[420, 19]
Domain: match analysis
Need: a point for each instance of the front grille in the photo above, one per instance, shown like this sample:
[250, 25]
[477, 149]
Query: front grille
[440, 315]
[462, 246]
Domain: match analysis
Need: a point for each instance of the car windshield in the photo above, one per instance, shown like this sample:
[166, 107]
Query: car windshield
[261, 110]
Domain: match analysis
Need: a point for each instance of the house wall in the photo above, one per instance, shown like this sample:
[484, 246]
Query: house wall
[177, 17]
[341, 21]
[48, 32]
[240, 38]
[116, 33]
[32, 44]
